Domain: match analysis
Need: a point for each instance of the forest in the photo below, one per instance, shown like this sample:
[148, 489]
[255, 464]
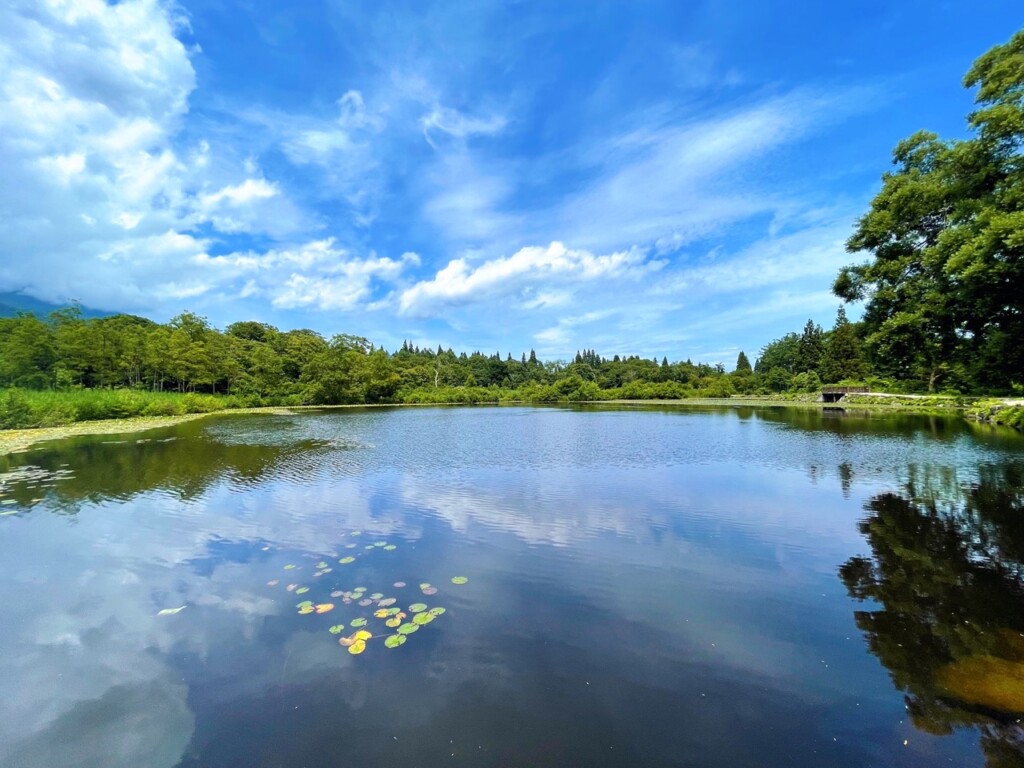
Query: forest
[942, 286]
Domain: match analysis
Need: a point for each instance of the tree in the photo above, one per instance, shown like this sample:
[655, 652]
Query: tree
[946, 234]
[809, 348]
[781, 353]
[742, 363]
[843, 357]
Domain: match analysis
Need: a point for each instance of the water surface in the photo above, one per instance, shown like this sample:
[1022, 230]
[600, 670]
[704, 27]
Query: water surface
[648, 587]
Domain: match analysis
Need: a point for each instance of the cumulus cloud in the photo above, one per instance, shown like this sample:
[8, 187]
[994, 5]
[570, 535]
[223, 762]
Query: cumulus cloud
[319, 274]
[460, 283]
[99, 202]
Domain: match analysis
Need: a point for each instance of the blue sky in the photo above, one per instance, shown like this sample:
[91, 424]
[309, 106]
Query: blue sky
[662, 178]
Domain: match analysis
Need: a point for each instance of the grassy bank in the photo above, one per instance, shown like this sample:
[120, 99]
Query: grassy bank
[27, 409]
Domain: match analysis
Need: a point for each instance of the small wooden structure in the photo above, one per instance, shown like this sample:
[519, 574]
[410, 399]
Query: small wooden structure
[835, 394]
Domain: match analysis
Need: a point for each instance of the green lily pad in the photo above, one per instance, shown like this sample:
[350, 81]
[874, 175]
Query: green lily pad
[417, 607]
[321, 564]
[336, 629]
[394, 610]
[459, 579]
[423, 618]
[290, 567]
[380, 543]
[360, 622]
[347, 560]
[436, 611]
[393, 641]
[390, 548]
[301, 590]
[424, 585]
[355, 533]
[393, 622]
[306, 609]
[376, 595]
[304, 603]
[408, 629]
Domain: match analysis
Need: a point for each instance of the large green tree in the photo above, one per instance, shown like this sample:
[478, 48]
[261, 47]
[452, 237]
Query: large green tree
[945, 287]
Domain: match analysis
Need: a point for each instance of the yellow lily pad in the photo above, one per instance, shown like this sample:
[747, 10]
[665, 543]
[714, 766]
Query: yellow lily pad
[357, 647]
[459, 579]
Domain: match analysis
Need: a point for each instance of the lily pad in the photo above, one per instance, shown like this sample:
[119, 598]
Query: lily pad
[306, 609]
[423, 618]
[345, 642]
[424, 585]
[381, 613]
[368, 546]
[417, 607]
[290, 567]
[393, 610]
[387, 601]
[350, 546]
[355, 533]
[324, 607]
[360, 622]
[459, 579]
[304, 603]
[337, 593]
[170, 611]
[336, 629]
[437, 611]
[408, 629]
[321, 564]
[393, 622]
[390, 548]
[357, 647]
[393, 641]
[376, 595]
[399, 584]
[291, 587]
[365, 602]
[362, 634]
[273, 582]
[301, 590]
[380, 543]
[429, 591]
[347, 560]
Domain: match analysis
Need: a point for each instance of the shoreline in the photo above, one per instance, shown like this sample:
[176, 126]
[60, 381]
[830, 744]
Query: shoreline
[21, 440]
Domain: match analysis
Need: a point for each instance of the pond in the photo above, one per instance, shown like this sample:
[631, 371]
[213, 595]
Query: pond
[620, 586]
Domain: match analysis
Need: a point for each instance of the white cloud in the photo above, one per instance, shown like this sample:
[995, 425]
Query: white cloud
[458, 125]
[319, 274]
[98, 200]
[459, 283]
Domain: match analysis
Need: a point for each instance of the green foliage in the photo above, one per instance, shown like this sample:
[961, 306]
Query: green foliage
[946, 233]
[743, 364]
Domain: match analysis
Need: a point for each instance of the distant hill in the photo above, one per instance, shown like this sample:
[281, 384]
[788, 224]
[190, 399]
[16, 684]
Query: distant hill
[12, 302]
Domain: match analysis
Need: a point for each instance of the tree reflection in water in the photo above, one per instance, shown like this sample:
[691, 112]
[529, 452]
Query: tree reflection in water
[947, 574]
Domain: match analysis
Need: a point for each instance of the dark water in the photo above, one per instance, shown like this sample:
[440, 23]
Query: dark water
[645, 587]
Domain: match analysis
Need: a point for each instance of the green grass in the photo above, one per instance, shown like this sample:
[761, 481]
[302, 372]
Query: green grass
[27, 409]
